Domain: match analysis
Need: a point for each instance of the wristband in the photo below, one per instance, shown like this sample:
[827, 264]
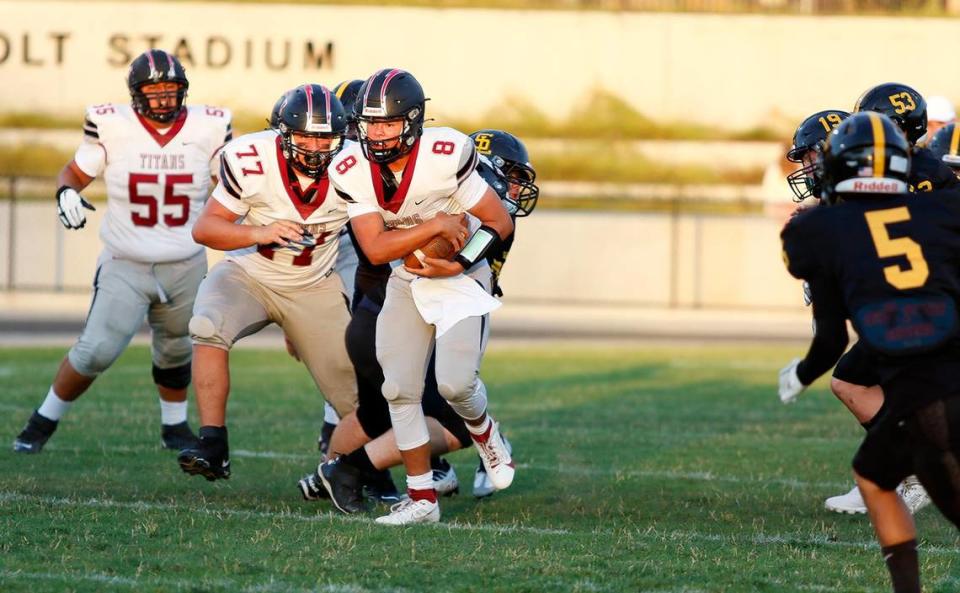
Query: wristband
[477, 247]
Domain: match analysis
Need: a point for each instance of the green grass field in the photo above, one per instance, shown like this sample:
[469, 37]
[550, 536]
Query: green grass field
[658, 469]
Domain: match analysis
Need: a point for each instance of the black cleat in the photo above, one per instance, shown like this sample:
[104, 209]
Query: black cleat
[342, 482]
[380, 487]
[311, 487]
[210, 458]
[35, 434]
[178, 436]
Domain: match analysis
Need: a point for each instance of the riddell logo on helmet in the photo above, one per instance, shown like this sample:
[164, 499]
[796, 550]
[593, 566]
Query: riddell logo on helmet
[876, 185]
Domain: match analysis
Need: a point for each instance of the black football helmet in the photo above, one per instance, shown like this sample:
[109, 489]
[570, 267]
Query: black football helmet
[901, 103]
[311, 110]
[348, 91]
[507, 153]
[275, 112]
[946, 145]
[151, 67]
[390, 95]
[866, 154]
[810, 136]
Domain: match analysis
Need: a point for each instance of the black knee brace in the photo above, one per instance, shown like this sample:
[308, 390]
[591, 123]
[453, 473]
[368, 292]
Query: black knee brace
[175, 378]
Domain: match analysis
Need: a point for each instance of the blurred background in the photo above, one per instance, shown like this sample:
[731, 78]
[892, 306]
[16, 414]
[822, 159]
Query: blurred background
[657, 128]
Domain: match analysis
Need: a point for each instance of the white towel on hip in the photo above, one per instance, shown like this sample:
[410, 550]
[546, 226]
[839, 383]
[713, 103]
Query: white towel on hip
[444, 302]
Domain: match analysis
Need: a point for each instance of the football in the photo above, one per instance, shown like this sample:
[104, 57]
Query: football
[436, 247]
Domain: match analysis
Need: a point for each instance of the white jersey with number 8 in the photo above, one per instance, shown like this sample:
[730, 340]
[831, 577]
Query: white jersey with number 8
[157, 180]
[257, 183]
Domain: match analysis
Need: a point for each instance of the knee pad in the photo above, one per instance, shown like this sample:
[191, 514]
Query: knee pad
[469, 404]
[395, 393]
[175, 378]
[456, 390]
[205, 328]
[91, 360]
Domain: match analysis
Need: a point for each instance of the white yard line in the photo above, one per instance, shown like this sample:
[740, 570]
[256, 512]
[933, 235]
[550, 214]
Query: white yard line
[761, 539]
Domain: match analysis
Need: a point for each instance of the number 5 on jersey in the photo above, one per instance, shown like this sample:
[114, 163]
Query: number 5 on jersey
[916, 275]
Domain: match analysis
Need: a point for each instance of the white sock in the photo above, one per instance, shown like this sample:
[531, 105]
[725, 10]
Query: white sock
[479, 429]
[421, 482]
[330, 414]
[173, 412]
[53, 407]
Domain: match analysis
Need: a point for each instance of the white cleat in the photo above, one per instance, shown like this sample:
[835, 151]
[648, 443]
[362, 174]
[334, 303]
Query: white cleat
[445, 479]
[482, 486]
[850, 503]
[913, 494]
[495, 456]
[409, 512]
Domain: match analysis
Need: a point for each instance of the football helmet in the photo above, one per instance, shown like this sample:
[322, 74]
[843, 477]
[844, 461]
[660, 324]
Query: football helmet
[905, 106]
[348, 91]
[275, 112]
[390, 95]
[946, 145]
[866, 154]
[311, 110]
[151, 67]
[808, 143]
[508, 154]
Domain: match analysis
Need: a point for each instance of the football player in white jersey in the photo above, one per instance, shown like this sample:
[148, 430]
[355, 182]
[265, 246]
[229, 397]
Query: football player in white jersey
[155, 156]
[400, 179]
[276, 213]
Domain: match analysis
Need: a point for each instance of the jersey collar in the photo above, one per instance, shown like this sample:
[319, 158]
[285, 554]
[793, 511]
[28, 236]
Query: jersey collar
[166, 137]
[301, 198]
[395, 202]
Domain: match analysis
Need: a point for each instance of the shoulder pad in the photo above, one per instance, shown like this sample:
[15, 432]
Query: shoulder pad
[245, 162]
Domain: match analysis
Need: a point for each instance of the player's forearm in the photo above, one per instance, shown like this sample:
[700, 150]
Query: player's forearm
[825, 350]
[72, 176]
[395, 244]
[217, 233]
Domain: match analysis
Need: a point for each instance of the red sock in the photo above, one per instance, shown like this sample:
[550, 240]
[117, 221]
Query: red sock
[428, 494]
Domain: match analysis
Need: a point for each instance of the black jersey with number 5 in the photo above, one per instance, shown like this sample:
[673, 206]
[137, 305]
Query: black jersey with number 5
[890, 264]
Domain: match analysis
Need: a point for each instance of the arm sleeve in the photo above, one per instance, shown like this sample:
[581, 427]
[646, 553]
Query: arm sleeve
[228, 192]
[471, 190]
[831, 337]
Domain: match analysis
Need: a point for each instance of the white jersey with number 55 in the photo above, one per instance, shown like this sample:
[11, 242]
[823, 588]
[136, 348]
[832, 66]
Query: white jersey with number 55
[157, 180]
[440, 176]
[257, 183]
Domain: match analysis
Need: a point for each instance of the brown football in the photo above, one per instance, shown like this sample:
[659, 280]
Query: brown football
[437, 247]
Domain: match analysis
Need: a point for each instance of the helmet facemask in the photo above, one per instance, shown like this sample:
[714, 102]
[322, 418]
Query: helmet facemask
[805, 182]
[173, 100]
[523, 192]
[307, 160]
[387, 150]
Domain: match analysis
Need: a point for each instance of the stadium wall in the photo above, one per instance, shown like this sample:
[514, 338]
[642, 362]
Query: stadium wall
[562, 257]
[730, 71]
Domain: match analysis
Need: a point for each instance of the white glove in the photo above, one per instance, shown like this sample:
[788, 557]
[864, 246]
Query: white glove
[790, 385]
[70, 205]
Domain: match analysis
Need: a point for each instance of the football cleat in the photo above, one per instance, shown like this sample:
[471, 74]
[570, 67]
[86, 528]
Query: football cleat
[178, 436]
[444, 478]
[410, 511]
[495, 456]
[849, 503]
[913, 493]
[209, 458]
[342, 482]
[381, 488]
[311, 486]
[482, 486]
[35, 434]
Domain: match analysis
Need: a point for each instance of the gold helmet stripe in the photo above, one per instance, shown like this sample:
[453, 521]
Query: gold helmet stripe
[879, 144]
[341, 88]
[955, 140]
